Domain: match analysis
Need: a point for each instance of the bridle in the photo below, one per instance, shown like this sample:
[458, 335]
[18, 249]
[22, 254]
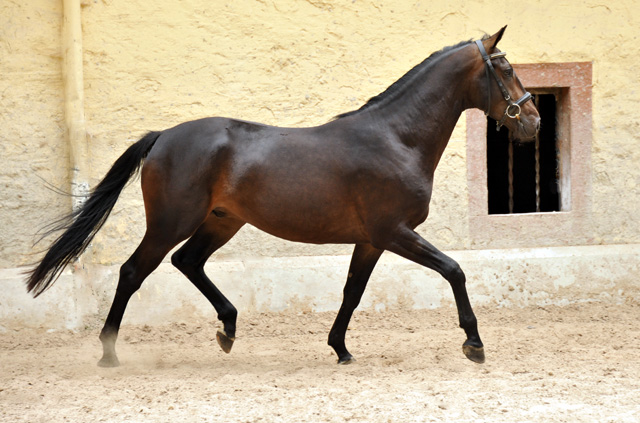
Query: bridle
[514, 107]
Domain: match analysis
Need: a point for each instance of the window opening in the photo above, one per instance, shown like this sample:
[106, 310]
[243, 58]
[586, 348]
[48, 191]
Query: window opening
[526, 177]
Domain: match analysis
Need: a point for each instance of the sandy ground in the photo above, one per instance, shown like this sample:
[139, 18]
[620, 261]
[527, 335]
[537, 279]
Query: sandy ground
[579, 363]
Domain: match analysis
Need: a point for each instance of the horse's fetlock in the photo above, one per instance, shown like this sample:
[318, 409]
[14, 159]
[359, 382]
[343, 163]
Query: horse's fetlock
[334, 340]
[108, 336]
[468, 322]
[229, 314]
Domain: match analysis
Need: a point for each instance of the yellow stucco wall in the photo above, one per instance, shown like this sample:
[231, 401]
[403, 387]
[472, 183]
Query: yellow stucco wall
[150, 65]
[33, 150]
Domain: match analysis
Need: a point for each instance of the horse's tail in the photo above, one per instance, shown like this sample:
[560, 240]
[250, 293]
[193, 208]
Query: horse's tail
[82, 225]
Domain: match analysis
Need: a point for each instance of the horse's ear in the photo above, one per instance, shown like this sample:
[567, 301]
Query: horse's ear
[491, 42]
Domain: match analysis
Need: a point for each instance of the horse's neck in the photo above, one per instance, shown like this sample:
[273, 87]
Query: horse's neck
[425, 116]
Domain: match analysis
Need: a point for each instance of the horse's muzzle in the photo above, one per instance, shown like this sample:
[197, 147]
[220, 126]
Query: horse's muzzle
[526, 129]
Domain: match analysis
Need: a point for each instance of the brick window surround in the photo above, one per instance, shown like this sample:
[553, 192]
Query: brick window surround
[572, 83]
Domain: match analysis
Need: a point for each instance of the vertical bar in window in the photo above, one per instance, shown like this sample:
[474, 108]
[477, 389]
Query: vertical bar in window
[510, 177]
[537, 158]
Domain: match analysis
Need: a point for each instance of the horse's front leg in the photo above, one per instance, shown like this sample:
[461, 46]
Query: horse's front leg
[407, 243]
[363, 261]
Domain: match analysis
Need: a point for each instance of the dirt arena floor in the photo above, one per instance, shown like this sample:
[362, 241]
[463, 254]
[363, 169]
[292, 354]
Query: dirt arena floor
[579, 363]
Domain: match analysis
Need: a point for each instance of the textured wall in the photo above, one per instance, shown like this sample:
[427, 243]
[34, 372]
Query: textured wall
[32, 147]
[150, 65]
[296, 64]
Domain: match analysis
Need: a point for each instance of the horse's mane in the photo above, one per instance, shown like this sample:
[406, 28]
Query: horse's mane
[400, 84]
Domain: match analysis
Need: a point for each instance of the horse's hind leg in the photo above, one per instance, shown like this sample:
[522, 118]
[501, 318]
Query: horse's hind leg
[168, 223]
[190, 260]
[133, 272]
[363, 261]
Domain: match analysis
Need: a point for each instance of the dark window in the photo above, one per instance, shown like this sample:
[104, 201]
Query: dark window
[525, 178]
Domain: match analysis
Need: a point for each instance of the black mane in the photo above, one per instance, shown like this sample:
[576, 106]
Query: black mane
[400, 83]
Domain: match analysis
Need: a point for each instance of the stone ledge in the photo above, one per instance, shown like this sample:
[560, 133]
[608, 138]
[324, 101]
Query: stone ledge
[512, 278]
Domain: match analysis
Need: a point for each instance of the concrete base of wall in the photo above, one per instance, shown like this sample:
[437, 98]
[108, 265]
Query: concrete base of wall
[521, 277]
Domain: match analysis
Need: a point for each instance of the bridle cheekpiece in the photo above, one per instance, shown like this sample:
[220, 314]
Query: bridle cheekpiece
[514, 107]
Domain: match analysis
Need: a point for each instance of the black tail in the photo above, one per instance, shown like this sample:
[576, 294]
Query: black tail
[82, 225]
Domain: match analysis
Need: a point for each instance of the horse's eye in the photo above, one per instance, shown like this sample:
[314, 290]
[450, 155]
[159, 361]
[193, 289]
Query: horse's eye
[508, 73]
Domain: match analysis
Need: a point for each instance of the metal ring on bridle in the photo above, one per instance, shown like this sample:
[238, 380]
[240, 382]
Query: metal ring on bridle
[515, 115]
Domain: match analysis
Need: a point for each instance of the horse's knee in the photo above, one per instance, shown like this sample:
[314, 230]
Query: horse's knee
[454, 274]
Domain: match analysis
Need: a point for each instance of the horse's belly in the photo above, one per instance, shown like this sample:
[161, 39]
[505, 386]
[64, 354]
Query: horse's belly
[315, 220]
[311, 232]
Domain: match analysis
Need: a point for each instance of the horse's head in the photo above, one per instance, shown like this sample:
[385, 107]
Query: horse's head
[505, 98]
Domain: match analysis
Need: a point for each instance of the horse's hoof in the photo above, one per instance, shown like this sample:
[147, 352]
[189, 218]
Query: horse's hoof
[475, 354]
[106, 361]
[349, 359]
[224, 341]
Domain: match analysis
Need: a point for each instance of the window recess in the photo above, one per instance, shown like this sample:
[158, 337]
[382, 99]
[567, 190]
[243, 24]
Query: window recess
[523, 196]
[527, 177]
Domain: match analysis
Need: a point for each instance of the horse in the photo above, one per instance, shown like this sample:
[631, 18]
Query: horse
[364, 178]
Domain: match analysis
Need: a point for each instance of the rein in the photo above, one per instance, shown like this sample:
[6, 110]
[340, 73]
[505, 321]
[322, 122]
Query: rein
[514, 107]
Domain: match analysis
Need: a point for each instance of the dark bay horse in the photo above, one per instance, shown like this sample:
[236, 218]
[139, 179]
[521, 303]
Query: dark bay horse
[364, 178]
